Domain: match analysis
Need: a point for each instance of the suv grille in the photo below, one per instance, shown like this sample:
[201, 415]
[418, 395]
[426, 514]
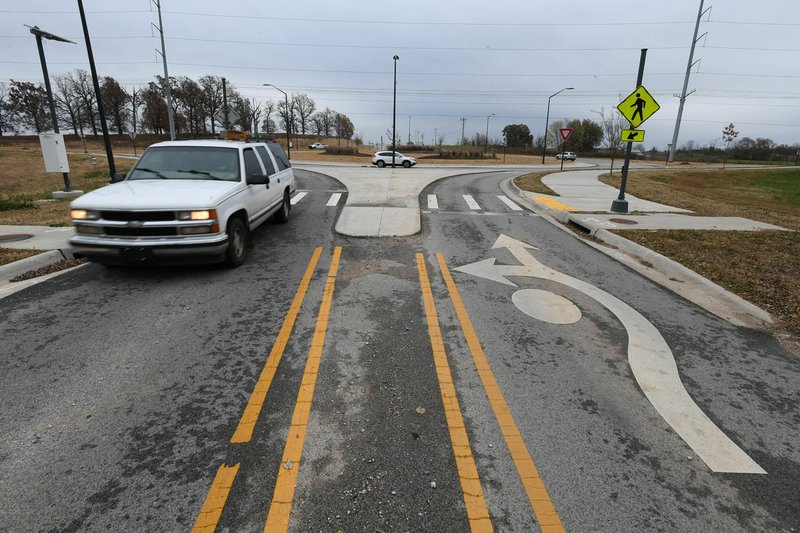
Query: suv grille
[139, 216]
[141, 232]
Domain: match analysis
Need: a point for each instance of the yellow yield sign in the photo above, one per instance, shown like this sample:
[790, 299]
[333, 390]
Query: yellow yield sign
[638, 106]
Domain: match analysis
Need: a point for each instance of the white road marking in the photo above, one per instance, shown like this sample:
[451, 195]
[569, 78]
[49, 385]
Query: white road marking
[471, 203]
[334, 199]
[509, 203]
[649, 356]
[297, 197]
[433, 202]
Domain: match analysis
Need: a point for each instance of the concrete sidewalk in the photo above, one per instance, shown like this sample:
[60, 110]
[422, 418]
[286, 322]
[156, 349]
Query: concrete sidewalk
[581, 191]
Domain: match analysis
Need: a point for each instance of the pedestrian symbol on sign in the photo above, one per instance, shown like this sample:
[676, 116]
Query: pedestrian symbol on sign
[639, 104]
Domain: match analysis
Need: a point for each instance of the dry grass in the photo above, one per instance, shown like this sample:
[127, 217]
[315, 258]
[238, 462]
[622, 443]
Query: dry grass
[9, 255]
[763, 267]
[532, 182]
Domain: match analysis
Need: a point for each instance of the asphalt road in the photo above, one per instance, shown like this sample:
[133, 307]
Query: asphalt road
[121, 390]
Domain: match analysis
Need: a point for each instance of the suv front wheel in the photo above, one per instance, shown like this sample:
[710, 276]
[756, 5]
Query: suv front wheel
[237, 243]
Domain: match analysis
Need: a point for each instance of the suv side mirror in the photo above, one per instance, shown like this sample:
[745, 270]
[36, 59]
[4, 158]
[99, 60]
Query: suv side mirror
[258, 179]
[118, 176]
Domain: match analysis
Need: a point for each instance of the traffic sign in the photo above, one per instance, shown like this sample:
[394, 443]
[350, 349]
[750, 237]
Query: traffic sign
[632, 136]
[233, 116]
[565, 133]
[638, 106]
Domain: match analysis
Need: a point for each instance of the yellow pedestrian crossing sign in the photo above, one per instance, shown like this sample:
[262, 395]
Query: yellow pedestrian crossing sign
[638, 106]
[632, 136]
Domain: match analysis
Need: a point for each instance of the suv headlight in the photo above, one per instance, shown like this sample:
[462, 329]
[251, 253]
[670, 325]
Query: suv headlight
[84, 214]
[202, 214]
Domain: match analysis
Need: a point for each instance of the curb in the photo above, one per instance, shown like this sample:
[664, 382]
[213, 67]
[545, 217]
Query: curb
[12, 270]
[671, 274]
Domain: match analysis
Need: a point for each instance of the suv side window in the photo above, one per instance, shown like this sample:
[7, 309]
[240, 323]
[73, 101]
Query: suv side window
[251, 165]
[266, 159]
[280, 156]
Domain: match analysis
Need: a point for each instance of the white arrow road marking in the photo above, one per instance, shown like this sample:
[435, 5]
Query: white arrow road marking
[297, 197]
[509, 203]
[649, 356]
[433, 202]
[471, 203]
[333, 201]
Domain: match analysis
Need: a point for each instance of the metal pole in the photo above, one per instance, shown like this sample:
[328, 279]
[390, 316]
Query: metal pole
[50, 101]
[167, 90]
[106, 139]
[547, 120]
[394, 109]
[409, 129]
[487, 131]
[620, 205]
[225, 121]
[685, 85]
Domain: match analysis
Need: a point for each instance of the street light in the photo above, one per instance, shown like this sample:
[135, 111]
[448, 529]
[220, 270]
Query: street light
[487, 131]
[288, 120]
[547, 120]
[394, 110]
[39, 35]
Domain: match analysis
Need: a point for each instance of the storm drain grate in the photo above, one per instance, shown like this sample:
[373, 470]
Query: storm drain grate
[15, 237]
[622, 221]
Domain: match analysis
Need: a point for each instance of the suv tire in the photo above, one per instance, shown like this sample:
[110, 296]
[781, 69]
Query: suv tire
[237, 243]
[381, 163]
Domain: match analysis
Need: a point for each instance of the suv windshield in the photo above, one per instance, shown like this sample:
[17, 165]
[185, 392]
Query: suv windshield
[187, 163]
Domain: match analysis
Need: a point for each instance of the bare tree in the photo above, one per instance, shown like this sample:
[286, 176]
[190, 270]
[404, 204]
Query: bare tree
[212, 97]
[115, 103]
[83, 89]
[188, 96]
[249, 111]
[68, 103]
[5, 117]
[27, 103]
[268, 125]
[135, 99]
[303, 108]
[612, 126]
[728, 135]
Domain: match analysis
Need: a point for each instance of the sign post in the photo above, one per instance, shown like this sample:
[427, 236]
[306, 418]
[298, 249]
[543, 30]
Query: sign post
[636, 108]
[565, 133]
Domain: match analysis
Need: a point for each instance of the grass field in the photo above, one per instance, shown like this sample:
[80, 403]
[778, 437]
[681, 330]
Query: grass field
[763, 267]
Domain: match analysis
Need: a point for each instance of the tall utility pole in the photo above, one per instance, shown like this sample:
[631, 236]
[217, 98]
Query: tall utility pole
[167, 90]
[225, 111]
[409, 129]
[112, 169]
[394, 110]
[683, 95]
[463, 140]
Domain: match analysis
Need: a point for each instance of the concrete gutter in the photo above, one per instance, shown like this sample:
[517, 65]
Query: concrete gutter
[662, 270]
[35, 262]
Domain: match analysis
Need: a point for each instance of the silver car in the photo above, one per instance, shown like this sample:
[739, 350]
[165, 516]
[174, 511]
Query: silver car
[382, 159]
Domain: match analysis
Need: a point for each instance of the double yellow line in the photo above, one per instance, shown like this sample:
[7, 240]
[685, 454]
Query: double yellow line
[281, 504]
[278, 518]
[477, 512]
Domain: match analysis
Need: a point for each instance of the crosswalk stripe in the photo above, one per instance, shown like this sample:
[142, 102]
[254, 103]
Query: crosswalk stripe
[334, 199]
[471, 203]
[433, 202]
[509, 203]
[297, 197]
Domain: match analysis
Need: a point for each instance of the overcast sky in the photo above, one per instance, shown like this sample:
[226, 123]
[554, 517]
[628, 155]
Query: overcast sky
[458, 59]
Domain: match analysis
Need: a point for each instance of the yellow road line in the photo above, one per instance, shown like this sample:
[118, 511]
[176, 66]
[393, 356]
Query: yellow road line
[549, 522]
[555, 204]
[281, 506]
[247, 424]
[215, 500]
[477, 511]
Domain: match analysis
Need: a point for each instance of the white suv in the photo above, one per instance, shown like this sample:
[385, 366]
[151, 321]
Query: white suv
[185, 202]
[385, 158]
[567, 156]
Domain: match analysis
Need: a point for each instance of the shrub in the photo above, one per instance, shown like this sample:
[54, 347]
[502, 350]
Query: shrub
[341, 150]
[7, 203]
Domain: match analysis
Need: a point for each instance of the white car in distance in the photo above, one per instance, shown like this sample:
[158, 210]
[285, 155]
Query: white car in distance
[382, 159]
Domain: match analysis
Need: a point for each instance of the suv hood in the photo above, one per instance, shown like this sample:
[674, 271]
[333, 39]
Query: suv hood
[157, 194]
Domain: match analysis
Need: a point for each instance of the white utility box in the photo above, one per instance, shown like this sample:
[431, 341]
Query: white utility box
[54, 151]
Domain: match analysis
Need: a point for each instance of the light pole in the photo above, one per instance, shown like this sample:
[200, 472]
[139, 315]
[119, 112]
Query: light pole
[394, 110]
[39, 34]
[288, 120]
[547, 120]
[487, 131]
